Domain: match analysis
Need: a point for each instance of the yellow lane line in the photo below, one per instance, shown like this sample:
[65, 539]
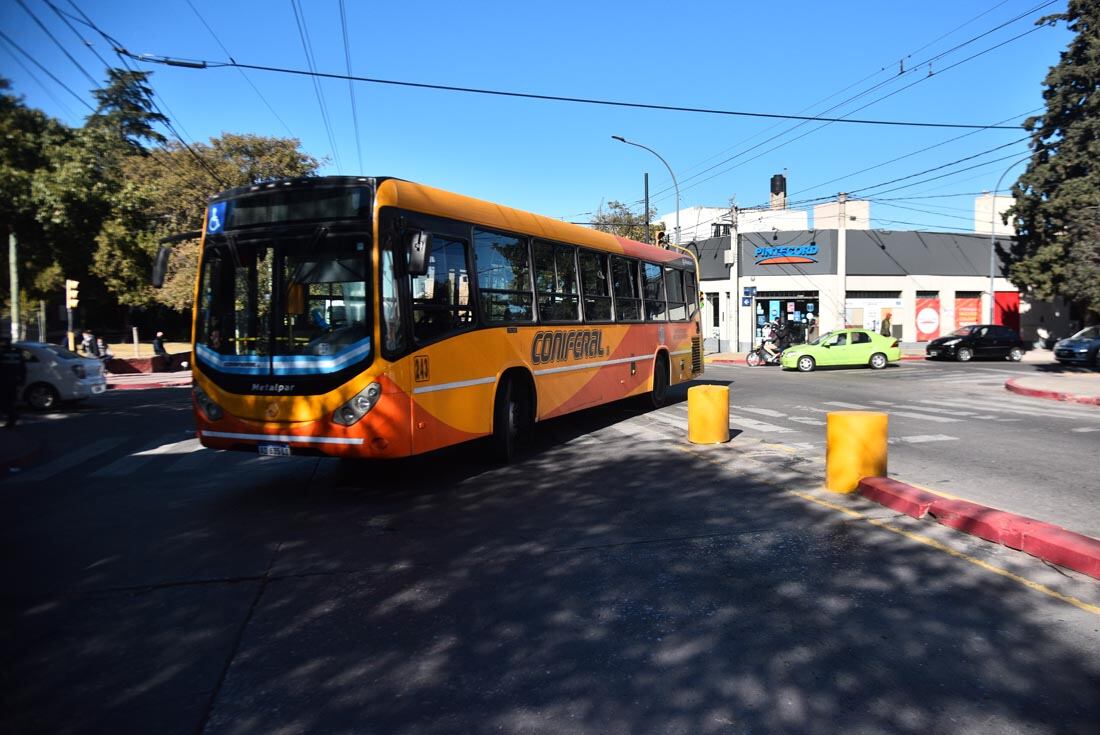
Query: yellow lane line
[922, 539]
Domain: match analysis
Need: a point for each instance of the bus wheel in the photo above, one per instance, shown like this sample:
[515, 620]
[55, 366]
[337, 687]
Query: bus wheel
[510, 420]
[659, 395]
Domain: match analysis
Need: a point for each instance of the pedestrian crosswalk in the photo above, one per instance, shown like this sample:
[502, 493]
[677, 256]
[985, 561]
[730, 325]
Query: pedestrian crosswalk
[120, 457]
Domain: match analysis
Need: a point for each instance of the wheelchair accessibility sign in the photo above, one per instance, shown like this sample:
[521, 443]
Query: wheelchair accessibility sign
[215, 220]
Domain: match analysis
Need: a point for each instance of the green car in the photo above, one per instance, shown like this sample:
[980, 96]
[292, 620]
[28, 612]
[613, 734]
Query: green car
[843, 347]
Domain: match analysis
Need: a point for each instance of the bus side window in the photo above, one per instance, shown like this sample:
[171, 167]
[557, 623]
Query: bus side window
[441, 297]
[393, 331]
[674, 283]
[624, 278]
[556, 282]
[691, 293]
[597, 291]
[504, 285]
[653, 283]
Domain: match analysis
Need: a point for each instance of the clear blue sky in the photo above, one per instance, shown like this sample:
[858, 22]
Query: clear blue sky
[557, 158]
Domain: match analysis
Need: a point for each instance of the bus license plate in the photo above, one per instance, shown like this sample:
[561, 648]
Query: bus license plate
[274, 450]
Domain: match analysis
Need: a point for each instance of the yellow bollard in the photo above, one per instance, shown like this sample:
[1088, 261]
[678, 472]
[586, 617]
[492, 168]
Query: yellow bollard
[855, 447]
[709, 414]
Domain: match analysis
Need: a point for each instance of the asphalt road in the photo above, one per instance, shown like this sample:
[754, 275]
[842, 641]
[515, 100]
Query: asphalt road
[616, 580]
[953, 427]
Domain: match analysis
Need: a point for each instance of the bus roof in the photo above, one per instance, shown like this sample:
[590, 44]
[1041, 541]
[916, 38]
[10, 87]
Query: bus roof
[407, 194]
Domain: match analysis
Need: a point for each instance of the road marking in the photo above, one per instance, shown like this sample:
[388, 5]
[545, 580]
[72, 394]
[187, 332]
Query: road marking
[1086, 429]
[132, 462]
[1008, 406]
[69, 460]
[635, 431]
[807, 420]
[762, 426]
[853, 406]
[923, 439]
[925, 417]
[763, 412]
[944, 411]
[182, 447]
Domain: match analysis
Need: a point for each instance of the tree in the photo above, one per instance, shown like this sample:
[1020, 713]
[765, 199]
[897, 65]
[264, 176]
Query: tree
[619, 220]
[1057, 251]
[165, 193]
[126, 111]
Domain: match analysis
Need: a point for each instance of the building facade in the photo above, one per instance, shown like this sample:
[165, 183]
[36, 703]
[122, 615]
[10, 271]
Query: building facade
[927, 283]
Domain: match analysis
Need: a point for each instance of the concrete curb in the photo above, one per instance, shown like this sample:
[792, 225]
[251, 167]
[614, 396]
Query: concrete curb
[143, 386]
[1013, 385]
[1043, 540]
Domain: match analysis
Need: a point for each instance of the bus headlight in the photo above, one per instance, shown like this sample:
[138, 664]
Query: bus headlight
[211, 410]
[359, 406]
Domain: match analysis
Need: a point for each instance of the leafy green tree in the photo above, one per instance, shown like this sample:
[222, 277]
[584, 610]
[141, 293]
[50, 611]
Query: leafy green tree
[618, 219]
[165, 193]
[125, 110]
[1057, 252]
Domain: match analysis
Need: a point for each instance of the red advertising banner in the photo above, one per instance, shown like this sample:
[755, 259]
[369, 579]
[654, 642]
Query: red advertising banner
[928, 319]
[968, 310]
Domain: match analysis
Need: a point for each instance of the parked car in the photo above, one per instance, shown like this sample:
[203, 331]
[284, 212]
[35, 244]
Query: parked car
[977, 340]
[843, 347]
[1082, 348]
[55, 374]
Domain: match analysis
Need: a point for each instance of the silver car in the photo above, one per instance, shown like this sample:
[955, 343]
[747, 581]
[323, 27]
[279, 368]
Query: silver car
[55, 374]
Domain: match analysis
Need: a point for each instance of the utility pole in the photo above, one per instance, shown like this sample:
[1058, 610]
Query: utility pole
[13, 280]
[647, 242]
[734, 315]
[841, 261]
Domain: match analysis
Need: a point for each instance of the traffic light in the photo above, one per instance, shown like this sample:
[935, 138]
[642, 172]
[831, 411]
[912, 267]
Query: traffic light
[72, 293]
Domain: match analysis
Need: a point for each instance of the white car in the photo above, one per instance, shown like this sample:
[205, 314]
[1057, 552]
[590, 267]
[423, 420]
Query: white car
[55, 374]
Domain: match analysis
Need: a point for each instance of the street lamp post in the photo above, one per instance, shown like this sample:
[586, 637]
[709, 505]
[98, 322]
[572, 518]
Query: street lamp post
[621, 139]
[993, 239]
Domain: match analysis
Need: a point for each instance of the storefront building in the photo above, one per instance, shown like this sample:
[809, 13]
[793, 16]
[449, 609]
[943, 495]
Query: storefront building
[926, 283]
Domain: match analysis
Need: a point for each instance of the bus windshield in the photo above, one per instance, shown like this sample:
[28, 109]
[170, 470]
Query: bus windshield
[285, 306]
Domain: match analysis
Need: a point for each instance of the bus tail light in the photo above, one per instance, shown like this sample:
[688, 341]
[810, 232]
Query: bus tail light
[211, 410]
[359, 406]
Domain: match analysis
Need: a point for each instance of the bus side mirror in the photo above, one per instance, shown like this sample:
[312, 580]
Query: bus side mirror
[418, 244]
[160, 266]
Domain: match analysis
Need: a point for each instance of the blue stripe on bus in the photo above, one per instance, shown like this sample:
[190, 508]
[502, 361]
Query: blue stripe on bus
[286, 364]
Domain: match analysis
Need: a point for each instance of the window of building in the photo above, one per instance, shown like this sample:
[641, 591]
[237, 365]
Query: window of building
[503, 277]
[674, 284]
[597, 292]
[653, 290]
[556, 282]
[441, 297]
[624, 279]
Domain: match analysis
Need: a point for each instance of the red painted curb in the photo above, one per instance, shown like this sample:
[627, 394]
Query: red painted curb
[141, 386]
[1013, 386]
[1046, 541]
[897, 495]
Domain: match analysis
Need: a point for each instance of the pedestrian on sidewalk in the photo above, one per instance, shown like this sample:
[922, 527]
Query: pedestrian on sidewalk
[13, 373]
[160, 351]
[884, 330]
[88, 344]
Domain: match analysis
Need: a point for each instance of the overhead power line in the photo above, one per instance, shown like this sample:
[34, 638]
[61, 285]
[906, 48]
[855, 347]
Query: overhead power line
[57, 43]
[246, 77]
[44, 70]
[201, 64]
[351, 87]
[307, 47]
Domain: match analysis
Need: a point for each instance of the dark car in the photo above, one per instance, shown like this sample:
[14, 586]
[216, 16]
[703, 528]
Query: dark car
[977, 340]
[1082, 348]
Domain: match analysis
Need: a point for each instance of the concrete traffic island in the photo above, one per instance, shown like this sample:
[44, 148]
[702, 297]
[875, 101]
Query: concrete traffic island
[1046, 541]
[1070, 387]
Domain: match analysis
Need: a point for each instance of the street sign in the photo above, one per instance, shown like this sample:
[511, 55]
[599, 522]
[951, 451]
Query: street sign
[750, 290]
[746, 301]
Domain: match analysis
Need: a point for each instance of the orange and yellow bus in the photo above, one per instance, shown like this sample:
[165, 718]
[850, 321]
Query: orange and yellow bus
[379, 318]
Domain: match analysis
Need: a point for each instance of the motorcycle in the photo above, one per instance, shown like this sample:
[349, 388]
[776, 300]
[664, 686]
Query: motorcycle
[760, 356]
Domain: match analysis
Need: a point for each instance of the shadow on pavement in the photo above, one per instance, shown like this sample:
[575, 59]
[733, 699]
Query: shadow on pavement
[626, 586]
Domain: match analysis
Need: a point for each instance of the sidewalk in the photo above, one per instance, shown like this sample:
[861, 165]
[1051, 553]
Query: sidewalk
[1072, 387]
[133, 381]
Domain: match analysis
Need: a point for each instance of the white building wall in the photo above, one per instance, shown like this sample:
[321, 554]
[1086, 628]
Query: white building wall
[697, 223]
[856, 211]
[766, 220]
[988, 208]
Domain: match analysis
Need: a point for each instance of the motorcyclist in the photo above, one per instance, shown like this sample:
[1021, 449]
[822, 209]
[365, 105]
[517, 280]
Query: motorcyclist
[771, 339]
